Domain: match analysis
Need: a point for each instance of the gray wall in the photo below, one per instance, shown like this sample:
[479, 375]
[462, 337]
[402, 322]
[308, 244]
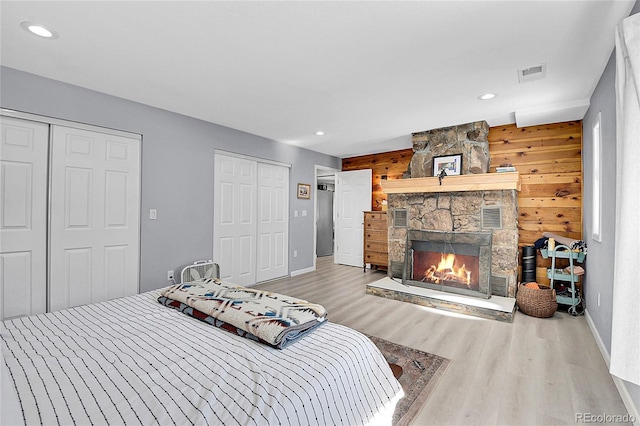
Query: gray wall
[599, 261]
[177, 169]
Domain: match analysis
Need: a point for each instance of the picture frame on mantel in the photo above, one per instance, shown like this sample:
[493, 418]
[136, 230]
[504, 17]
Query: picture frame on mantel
[304, 191]
[452, 164]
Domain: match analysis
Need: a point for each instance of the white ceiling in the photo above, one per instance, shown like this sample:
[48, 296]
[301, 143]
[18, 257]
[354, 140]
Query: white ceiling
[368, 73]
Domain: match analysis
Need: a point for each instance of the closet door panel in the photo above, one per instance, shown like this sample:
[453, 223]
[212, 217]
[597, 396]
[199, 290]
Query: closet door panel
[78, 198]
[23, 217]
[115, 271]
[273, 222]
[247, 249]
[234, 229]
[19, 296]
[95, 210]
[78, 283]
[224, 246]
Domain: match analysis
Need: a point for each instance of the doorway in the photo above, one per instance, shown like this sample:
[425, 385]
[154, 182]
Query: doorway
[325, 185]
[323, 235]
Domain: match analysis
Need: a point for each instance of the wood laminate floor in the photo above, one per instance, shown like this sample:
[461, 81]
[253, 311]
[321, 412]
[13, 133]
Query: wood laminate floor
[530, 372]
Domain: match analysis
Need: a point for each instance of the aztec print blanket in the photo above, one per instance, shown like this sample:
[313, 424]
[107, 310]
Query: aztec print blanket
[271, 318]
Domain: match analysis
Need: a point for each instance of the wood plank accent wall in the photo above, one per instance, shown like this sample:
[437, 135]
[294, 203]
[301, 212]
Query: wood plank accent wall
[549, 159]
[392, 164]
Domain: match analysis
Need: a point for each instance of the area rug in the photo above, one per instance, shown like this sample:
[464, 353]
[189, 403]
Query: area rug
[421, 373]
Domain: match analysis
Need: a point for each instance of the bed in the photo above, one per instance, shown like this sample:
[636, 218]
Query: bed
[135, 361]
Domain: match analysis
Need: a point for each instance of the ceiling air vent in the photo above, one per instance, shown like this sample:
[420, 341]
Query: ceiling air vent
[537, 72]
[400, 218]
[491, 218]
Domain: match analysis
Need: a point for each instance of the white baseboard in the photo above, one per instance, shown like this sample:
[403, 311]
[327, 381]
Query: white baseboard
[302, 271]
[599, 341]
[620, 384]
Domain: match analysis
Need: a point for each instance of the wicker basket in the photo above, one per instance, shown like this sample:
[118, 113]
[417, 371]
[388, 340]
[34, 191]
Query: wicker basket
[537, 303]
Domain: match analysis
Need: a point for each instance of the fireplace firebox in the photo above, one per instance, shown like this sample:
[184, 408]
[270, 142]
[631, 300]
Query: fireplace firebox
[456, 262]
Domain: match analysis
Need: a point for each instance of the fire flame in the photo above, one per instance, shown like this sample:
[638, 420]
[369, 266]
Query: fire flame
[446, 271]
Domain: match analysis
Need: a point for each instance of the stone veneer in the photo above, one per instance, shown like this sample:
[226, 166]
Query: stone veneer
[458, 211]
[469, 139]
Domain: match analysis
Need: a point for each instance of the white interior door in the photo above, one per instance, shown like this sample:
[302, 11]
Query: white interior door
[273, 225]
[23, 217]
[352, 199]
[94, 217]
[234, 229]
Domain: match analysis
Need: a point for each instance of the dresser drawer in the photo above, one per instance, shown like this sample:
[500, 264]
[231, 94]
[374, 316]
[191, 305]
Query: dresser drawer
[376, 258]
[375, 247]
[375, 225]
[375, 235]
[376, 216]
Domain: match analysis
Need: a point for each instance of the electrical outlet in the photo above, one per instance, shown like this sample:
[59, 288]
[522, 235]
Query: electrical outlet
[170, 275]
[295, 253]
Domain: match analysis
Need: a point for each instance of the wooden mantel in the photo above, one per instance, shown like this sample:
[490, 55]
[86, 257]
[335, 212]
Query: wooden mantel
[479, 182]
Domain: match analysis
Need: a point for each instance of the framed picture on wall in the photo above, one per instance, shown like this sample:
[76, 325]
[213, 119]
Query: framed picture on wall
[452, 164]
[304, 191]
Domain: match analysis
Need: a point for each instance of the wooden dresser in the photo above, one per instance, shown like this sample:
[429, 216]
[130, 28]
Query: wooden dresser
[375, 240]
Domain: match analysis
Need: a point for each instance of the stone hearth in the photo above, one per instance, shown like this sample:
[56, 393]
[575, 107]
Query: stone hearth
[497, 308]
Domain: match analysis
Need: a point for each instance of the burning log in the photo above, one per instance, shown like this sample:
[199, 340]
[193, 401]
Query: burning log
[446, 273]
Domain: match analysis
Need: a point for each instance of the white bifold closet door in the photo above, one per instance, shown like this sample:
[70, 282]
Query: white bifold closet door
[23, 217]
[69, 216]
[234, 229]
[273, 225]
[251, 221]
[94, 211]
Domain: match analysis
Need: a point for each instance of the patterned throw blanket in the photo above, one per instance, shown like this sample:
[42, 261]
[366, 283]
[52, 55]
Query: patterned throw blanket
[271, 318]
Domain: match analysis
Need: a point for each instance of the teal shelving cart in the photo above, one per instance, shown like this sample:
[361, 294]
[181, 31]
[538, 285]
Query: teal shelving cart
[571, 296]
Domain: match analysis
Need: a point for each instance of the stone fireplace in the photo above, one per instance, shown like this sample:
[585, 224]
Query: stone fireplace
[423, 208]
[492, 212]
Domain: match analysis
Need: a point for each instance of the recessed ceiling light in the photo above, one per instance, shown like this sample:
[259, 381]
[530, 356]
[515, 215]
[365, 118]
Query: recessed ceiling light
[39, 30]
[487, 96]
[320, 133]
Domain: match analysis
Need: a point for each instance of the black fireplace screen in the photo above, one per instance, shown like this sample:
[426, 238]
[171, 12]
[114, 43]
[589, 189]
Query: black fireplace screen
[449, 261]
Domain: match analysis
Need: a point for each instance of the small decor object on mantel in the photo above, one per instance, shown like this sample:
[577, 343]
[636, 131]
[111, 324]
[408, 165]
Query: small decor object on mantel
[304, 191]
[451, 164]
[441, 176]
